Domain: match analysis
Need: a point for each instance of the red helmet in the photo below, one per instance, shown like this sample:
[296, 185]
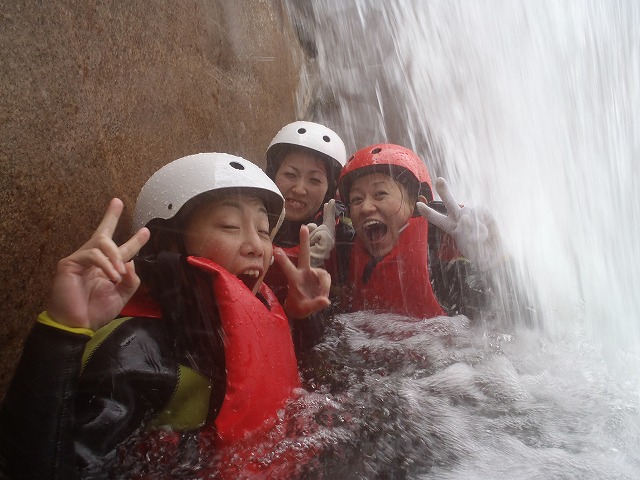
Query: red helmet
[387, 158]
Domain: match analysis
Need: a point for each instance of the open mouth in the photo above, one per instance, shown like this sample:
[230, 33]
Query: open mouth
[295, 203]
[250, 277]
[375, 231]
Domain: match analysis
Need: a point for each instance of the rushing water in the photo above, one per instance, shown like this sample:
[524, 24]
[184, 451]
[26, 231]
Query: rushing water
[532, 109]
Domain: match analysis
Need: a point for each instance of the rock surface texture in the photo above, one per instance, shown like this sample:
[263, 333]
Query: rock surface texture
[96, 96]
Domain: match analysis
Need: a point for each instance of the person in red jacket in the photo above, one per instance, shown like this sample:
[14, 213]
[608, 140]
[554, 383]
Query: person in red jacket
[411, 255]
[201, 355]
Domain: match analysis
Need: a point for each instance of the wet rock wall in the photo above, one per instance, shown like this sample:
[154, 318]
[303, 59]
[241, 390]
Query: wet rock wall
[95, 96]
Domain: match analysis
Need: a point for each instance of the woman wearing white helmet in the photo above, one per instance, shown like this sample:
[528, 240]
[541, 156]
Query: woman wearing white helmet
[202, 351]
[304, 159]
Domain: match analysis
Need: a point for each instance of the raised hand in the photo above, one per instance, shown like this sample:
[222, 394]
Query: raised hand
[474, 229]
[322, 238]
[308, 287]
[92, 285]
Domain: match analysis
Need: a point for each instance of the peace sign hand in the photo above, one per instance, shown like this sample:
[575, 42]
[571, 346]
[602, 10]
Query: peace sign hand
[93, 284]
[474, 229]
[308, 287]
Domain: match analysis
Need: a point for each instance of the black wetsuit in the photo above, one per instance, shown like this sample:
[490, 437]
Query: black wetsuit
[64, 415]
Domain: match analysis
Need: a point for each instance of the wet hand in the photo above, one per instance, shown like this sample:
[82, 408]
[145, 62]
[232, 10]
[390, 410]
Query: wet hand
[308, 286]
[322, 238]
[92, 285]
[474, 229]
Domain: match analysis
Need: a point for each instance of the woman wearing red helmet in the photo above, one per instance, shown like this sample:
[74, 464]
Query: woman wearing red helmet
[407, 258]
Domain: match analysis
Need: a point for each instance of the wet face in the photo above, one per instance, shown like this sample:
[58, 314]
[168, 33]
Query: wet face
[302, 179]
[232, 231]
[379, 208]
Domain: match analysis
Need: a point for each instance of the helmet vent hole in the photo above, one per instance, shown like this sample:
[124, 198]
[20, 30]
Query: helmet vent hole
[170, 206]
[236, 165]
[376, 150]
[350, 158]
[326, 139]
[302, 130]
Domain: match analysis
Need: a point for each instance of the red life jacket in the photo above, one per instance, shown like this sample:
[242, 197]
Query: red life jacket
[399, 282]
[260, 361]
[261, 364]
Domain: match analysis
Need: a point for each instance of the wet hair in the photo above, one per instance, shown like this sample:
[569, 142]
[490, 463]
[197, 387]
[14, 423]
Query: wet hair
[166, 235]
[405, 178]
[400, 174]
[279, 152]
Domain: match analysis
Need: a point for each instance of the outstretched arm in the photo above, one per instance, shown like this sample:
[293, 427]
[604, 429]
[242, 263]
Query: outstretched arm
[92, 285]
[474, 229]
[308, 287]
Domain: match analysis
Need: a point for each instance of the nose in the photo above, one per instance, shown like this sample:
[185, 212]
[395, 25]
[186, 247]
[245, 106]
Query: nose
[367, 205]
[299, 187]
[252, 244]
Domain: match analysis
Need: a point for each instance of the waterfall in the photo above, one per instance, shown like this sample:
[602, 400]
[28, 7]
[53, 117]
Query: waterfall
[530, 108]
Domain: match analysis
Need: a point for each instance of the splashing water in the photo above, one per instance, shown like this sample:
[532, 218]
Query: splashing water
[531, 109]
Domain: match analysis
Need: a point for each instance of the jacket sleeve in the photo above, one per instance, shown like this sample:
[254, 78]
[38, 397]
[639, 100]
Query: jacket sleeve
[36, 417]
[459, 287]
[128, 377]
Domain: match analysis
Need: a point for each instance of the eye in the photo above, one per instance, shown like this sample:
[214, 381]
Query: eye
[356, 201]
[262, 226]
[289, 175]
[316, 181]
[263, 232]
[229, 226]
[380, 194]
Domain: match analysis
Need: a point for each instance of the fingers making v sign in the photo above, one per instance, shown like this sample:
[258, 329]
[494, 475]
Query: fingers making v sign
[308, 287]
[94, 283]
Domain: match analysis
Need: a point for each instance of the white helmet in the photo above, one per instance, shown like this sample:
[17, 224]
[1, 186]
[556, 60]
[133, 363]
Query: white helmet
[310, 135]
[171, 187]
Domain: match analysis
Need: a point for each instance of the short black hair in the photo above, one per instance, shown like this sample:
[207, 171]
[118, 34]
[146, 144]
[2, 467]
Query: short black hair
[400, 174]
[277, 154]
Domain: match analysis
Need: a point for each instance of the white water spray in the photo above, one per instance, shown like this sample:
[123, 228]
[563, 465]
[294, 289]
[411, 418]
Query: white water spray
[530, 108]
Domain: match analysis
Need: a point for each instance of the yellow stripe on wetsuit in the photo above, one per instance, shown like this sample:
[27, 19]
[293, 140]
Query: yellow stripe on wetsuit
[187, 408]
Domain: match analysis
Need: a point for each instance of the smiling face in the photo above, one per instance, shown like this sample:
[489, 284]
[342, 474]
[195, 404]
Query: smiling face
[302, 179]
[379, 208]
[232, 231]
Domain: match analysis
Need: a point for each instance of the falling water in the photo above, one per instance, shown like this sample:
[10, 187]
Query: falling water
[532, 109]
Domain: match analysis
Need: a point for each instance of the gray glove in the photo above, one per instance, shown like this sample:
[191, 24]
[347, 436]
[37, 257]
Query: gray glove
[474, 229]
[322, 238]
